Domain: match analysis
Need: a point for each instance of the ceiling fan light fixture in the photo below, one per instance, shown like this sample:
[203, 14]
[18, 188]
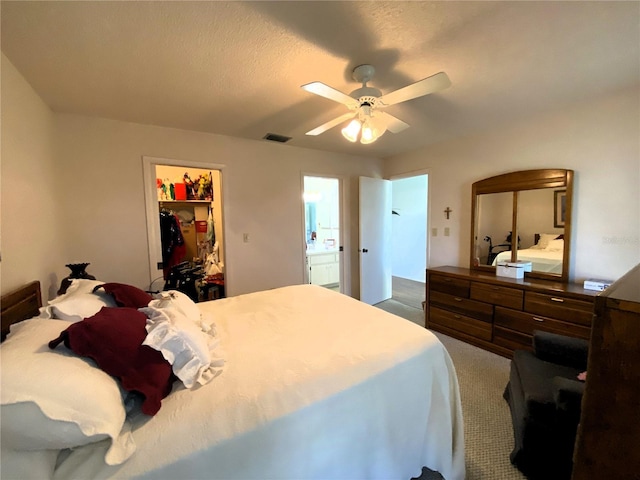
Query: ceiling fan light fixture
[351, 131]
[372, 129]
[371, 123]
[368, 134]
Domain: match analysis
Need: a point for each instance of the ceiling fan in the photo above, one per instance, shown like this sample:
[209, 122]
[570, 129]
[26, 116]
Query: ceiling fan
[369, 122]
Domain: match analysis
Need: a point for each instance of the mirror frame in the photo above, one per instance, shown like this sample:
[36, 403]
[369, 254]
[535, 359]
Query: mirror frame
[517, 182]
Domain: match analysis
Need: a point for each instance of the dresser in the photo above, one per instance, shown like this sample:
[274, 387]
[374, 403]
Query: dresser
[500, 314]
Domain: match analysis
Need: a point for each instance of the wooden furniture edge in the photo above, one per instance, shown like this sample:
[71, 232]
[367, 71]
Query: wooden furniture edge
[20, 304]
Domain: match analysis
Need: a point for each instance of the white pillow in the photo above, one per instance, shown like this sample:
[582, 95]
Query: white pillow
[180, 301]
[193, 353]
[79, 301]
[52, 399]
[186, 306]
[544, 240]
[555, 245]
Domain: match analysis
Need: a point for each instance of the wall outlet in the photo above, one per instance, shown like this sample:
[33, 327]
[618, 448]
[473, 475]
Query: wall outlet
[245, 237]
[434, 232]
[446, 231]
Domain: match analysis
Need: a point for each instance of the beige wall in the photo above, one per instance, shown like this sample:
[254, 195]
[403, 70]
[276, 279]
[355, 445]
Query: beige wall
[31, 234]
[599, 140]
[262, 196]
[72, 190]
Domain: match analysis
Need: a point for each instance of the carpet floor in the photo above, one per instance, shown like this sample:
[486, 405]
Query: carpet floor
[482, 377]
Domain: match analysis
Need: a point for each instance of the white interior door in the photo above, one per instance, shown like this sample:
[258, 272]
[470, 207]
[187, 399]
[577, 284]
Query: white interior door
[375, 240]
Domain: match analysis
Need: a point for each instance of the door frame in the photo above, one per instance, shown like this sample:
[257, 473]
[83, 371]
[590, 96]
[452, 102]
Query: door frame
[342, 255]
[151, 206]
[417, 173]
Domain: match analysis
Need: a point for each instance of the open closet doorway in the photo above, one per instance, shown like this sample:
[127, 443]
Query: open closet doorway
[323, 253]
[184, 227]
[409, 239]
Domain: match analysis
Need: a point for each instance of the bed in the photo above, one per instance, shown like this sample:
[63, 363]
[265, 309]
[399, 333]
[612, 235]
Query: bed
[545, 255]
[315, 384]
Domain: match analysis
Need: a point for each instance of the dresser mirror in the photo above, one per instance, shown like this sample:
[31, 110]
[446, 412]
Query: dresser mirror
[523, 216]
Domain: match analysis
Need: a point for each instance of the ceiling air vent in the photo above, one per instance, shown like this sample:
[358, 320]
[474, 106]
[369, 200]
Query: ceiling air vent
[274, 137]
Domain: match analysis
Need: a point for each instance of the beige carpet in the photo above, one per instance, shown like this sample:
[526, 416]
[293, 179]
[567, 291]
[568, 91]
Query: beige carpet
[482, 377]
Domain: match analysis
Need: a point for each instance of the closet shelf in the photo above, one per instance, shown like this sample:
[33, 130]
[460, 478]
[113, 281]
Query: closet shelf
[191, 202]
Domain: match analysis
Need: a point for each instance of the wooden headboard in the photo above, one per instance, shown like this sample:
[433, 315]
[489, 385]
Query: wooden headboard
[19, 305]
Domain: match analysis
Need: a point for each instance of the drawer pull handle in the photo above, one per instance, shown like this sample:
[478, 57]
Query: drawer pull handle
[447, 279]
[556, 299]
[457, 317]
[537, 319]
[495, 288]
[457, 299]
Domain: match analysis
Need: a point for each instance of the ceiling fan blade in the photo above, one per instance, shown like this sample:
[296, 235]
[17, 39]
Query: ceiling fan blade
[330, 124]
[431, 84]
[394, 125]
[326, 91]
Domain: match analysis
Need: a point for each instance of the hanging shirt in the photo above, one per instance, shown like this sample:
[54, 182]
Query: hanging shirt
[173, 246]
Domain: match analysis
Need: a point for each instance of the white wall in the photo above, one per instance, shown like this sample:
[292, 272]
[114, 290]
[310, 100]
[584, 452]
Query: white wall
[103, 214]
[32, 237]
[598, 140]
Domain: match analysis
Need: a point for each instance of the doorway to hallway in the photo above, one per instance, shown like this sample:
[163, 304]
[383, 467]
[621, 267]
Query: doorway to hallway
[393, 235]
[409, 240]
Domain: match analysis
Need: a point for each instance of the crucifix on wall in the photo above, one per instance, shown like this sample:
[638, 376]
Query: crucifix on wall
[447, 211]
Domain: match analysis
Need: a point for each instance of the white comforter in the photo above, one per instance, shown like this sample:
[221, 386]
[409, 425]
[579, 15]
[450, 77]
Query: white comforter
[316, 385]
[542, 260]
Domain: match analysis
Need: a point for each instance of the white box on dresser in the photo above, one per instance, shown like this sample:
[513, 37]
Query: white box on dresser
[513, 269]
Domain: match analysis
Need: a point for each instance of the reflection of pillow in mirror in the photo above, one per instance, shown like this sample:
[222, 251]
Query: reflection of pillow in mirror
[555, 246]
[544, 240]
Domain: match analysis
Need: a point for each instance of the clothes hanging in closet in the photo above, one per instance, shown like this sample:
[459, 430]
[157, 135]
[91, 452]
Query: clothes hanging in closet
[173, 246]
[211, 231]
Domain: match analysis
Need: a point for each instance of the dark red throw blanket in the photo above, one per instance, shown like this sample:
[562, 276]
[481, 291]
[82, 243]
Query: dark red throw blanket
[113, 339]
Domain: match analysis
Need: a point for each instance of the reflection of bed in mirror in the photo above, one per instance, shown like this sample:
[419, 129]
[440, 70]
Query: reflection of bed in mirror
[545, 256]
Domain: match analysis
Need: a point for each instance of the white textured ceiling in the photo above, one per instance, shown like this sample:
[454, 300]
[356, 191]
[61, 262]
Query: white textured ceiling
[235, 68]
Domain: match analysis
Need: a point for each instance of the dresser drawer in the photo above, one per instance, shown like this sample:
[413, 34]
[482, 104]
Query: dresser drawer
[479, 310]
[526, 323]
[559, 307]
[453, 286]
[511, 339]
[462, 323]
[505, 296]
